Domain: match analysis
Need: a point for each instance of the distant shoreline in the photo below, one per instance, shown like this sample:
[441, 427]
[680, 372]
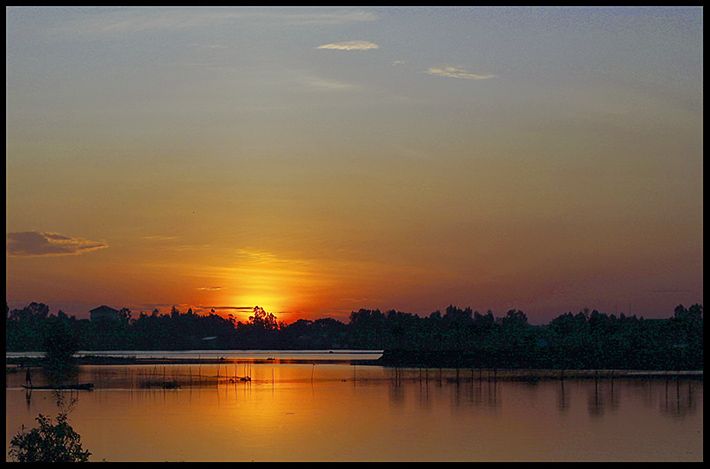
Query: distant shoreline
[215, 357]
[15, 364]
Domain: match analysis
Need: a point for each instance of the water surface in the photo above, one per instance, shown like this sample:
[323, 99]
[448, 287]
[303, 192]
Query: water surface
[339, 412]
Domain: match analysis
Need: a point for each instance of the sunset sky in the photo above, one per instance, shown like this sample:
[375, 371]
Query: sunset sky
[316, 161]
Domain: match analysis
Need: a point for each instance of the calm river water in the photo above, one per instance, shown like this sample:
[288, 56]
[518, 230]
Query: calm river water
[337, 411]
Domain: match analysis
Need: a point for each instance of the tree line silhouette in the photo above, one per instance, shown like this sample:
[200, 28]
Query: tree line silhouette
[458, 337]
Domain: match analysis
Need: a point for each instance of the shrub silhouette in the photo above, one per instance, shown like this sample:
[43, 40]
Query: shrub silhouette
[49, 443]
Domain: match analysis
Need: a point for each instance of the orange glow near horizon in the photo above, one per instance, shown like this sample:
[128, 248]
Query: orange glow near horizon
[477, 172]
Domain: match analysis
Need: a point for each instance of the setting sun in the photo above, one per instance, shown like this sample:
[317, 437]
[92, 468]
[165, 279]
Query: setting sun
[442, 222]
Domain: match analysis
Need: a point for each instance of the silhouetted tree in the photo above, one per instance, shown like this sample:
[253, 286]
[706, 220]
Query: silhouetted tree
[587, 339]
[60, 344]
[48, 443]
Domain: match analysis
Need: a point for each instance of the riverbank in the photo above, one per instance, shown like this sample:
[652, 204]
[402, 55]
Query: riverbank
[458, 359]
[409, 372]
[21, 362]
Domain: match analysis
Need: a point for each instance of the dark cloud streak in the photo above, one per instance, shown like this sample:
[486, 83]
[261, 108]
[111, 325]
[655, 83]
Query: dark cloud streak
[35, 243]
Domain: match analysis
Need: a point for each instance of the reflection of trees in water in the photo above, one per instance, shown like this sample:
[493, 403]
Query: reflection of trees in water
[423, 394]
[606, 395]
[396, 387]
[476, 393]
[648, 399]
[492, 398]
[65, 399]
[603, 396]
[595, 401]
[678, 398]
[563, 397]
[614, 397]
[673, 396]
[57, 375]
[483, 393]
[396, 393]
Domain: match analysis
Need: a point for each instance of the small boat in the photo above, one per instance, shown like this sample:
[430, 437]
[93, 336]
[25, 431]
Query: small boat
[81, 386]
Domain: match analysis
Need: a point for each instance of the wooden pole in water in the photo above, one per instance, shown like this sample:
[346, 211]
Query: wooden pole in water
[690, 392]
[666, 387]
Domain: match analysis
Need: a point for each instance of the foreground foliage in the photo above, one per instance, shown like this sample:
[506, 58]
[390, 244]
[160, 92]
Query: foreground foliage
[48, 443]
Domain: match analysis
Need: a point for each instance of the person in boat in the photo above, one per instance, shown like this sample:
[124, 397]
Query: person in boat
[28, 378]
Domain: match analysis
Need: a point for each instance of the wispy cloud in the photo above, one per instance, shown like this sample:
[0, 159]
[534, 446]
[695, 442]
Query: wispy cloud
[350, 45]
[141, 20]
[209, 288]
[456, 72]
[399, 62]
[34, 243]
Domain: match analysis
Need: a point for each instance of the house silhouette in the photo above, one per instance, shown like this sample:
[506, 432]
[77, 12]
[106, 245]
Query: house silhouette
[102, 313]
